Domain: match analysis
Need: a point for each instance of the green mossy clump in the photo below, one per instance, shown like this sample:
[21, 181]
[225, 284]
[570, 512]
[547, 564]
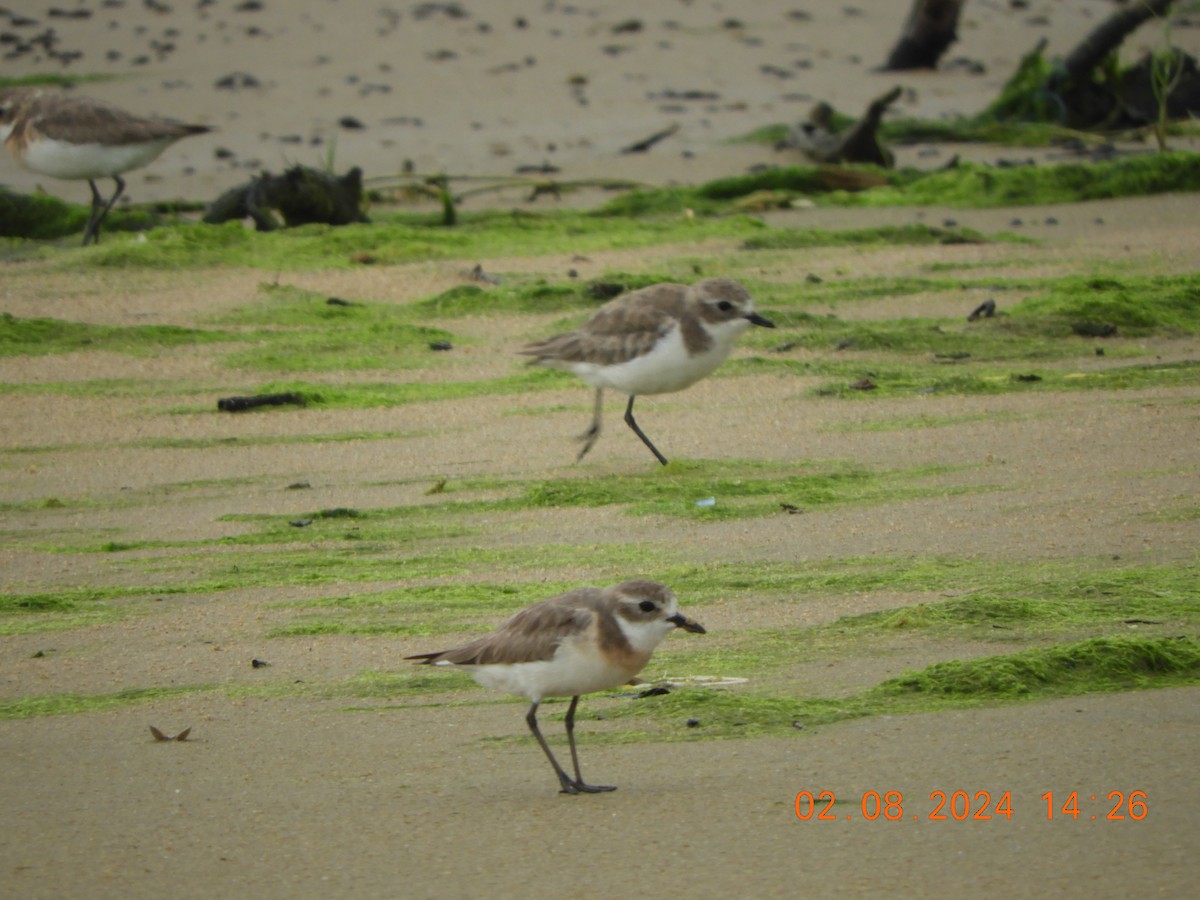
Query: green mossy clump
[1129, 306]
[37, 337]
[74, 703]
[1098, 664]
[896, 235]
[965, 185]
[41, 217]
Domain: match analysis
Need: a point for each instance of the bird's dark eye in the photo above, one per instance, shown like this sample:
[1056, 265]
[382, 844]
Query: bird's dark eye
[646, 606]
[724, 306]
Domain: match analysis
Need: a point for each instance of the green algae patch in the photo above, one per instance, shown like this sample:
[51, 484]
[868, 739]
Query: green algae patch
[965, 185]
[725, 489]
[1098, 665]
[66, 704]
[1092, 666]
[395, 239]
[41, 217]
[1106, 306]
[44, 336]
[893, 235]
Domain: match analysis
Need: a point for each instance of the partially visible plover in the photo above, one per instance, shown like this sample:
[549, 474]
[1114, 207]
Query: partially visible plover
[588, 639]
[63, 135]
[659, 339]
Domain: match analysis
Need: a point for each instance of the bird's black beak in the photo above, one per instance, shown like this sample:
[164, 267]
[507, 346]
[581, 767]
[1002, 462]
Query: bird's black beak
[756, 319]
[681, 621]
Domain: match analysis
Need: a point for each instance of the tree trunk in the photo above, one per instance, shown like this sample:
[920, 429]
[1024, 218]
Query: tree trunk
[932, 26]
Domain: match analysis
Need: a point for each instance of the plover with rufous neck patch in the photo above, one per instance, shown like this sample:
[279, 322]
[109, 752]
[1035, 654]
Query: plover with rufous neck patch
[64, 135]
[588, 639]
[656, 340]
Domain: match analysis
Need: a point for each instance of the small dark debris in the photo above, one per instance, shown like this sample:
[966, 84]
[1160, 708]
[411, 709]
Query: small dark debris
[440, 345]
[351, 123]
[1099, 351]
[1028, 378]
[646, 143]
[653, 692]
[1094, 329]
[984, 310]
[300, 523]
[160, 736]
[236, 81]
[299, 486]
[1141, 622]
[791, 508]
[338, 301]
[543, 168]
[258, 663]
[603, 290]
[813, 278]
[478, 274]
[692, 723]
[799, 726]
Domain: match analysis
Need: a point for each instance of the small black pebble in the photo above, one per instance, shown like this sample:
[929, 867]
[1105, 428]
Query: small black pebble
[692, 723]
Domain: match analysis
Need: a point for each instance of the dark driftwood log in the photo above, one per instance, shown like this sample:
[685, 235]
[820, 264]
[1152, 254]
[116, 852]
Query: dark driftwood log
[1089, 101]
[857, 144]
[1109, 35]
[302, 195]
[932, 26]
[240, 404]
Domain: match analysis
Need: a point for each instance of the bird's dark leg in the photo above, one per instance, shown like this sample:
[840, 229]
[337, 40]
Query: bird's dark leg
[100, 209]
[568, 786]
[579, 785]
[634, 425]
[593, 432]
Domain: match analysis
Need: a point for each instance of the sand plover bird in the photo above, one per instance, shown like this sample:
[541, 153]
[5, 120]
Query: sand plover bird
[66, 136]
[588, 639]
[656, 340]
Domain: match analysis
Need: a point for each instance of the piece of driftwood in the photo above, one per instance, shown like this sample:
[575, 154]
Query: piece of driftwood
[240, 404]
[301, 195]
[931, 27]
[646, 143]
[1085, 95]
[859, 143]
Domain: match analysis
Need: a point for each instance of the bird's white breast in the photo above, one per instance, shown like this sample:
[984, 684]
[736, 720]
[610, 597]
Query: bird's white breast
[61, 159]
[578, 667]
[668, 366]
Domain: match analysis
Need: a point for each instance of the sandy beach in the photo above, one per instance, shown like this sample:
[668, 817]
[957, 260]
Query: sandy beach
[483, 90]
[284, 793]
